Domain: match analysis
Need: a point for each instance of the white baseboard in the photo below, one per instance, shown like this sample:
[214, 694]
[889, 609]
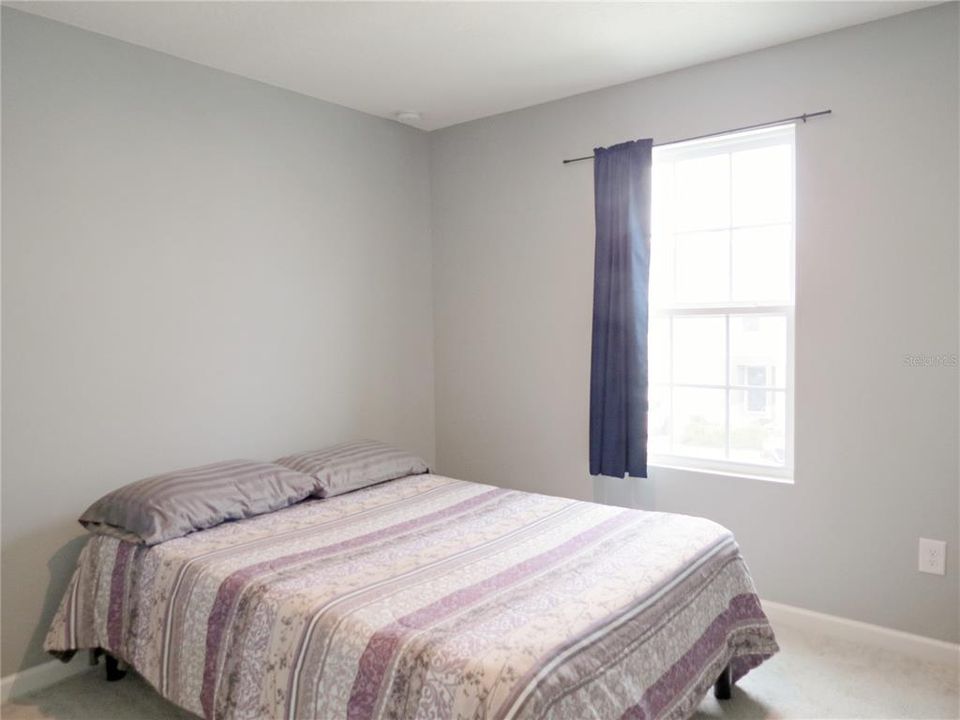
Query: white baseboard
[40, 676]
[881, 638]
[780, 615]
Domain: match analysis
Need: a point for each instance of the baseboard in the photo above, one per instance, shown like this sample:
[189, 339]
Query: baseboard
[40, 676]
[882, 638]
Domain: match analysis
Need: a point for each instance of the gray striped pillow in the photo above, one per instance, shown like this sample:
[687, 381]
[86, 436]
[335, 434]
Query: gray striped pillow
[169, 506]
[352, 465]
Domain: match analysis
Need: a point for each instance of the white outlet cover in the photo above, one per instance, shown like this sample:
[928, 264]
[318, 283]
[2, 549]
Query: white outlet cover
[932, 557]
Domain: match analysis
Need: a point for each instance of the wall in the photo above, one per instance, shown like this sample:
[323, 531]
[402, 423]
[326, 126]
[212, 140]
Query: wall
[876, 441]
[195, 267]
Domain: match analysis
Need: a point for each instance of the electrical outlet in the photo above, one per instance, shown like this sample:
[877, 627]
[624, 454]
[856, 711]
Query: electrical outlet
[933, 556]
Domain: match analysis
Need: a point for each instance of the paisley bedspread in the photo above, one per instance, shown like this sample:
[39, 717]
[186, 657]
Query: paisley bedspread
[426, 597]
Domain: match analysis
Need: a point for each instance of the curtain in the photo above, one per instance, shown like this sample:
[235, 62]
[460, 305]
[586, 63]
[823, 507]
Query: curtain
[618, 374]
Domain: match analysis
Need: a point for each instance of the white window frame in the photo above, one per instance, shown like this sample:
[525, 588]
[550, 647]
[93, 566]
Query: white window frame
[699, 148]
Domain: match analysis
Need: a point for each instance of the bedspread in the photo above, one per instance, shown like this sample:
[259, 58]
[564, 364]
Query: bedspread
[426, 597]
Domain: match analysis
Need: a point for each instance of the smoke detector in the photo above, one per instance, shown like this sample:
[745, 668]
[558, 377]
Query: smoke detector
[407, 116]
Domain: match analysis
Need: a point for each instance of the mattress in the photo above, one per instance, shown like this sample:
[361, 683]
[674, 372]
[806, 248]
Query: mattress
[426, 597]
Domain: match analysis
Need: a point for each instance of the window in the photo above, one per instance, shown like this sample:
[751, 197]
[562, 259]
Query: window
[721, 304]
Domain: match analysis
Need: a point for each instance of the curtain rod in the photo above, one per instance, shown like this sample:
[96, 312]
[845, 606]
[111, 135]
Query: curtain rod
[803, 117]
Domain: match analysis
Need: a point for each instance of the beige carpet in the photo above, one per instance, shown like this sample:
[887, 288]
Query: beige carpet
[813, 677]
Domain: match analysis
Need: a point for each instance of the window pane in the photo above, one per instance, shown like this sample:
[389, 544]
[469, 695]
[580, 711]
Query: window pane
[658, 351]
[762, 185]
[661, 271]
[758, 350]
[658, 421]
[758, 427]
[702, 193]
[662, 199]
[699, 422]
[699, 350]
[761, 264]
[702, 262]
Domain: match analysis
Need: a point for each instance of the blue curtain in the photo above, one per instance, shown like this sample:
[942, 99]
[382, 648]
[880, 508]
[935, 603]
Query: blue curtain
[618, 374]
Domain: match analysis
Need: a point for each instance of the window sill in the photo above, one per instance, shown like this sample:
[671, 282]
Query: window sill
[744, 474]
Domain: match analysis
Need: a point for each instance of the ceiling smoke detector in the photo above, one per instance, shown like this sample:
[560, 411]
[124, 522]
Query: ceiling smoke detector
[407, 116]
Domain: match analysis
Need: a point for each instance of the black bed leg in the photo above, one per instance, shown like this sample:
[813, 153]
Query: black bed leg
[724, 685]
[114, 672]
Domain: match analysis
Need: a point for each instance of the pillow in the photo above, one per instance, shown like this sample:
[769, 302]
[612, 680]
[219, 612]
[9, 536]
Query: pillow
[168, 506]
[353, 465]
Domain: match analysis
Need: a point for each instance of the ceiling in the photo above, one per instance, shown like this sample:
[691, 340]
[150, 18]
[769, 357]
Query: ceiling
[456, 61]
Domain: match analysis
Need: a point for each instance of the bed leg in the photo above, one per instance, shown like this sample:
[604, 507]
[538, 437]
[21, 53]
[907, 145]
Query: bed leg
[724, 685]
[114, 672]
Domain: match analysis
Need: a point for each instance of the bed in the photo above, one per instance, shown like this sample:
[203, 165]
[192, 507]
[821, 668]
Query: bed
[426, 597]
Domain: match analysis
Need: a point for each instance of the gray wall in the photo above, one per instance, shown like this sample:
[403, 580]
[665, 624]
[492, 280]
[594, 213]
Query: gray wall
[195, 267]
[876, 442]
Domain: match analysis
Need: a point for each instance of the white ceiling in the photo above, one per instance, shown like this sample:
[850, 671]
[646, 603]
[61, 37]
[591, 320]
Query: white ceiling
[455, 61]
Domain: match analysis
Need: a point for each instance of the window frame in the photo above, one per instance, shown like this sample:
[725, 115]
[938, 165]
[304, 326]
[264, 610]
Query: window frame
[727, 143]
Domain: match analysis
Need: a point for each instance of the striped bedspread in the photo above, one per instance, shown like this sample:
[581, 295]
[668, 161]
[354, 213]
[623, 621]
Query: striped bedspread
[426, 597]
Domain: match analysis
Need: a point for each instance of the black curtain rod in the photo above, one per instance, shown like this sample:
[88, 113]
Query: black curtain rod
[803, 117]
